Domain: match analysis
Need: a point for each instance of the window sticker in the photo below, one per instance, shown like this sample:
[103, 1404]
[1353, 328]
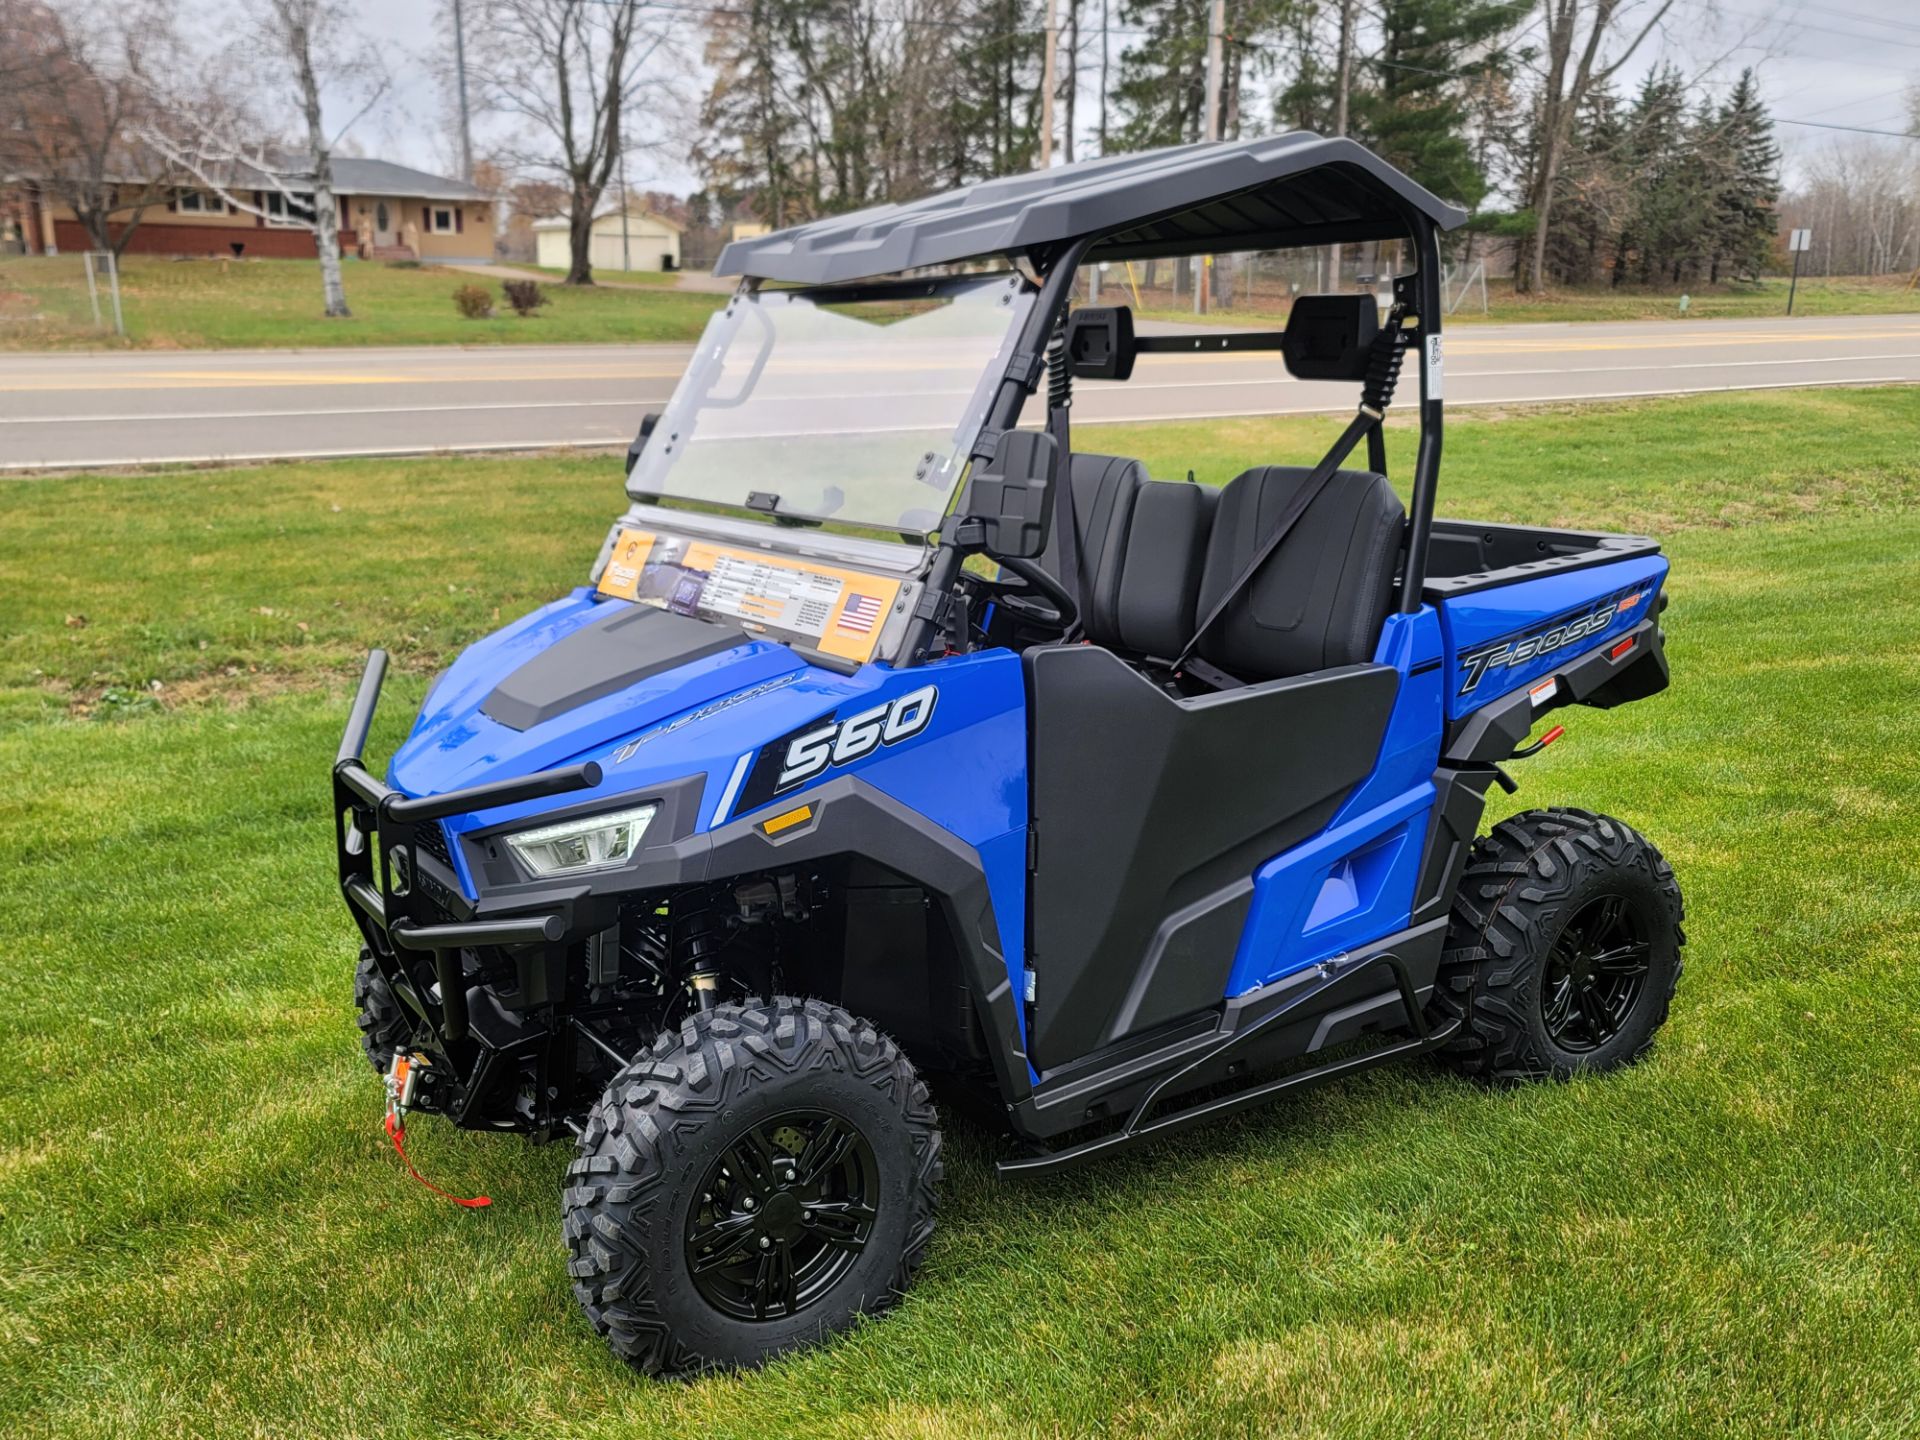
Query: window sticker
[838, 612]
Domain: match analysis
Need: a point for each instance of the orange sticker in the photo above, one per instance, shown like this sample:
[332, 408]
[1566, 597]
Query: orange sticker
[839, 612]
[621, 578]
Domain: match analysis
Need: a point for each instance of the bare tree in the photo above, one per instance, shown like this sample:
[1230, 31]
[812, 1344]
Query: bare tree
[314, 44]
[1578, 57]
[572, 75]
[73, 100]
[1861, 197]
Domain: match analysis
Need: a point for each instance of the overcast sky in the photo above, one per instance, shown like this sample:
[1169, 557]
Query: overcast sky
[1837, 62]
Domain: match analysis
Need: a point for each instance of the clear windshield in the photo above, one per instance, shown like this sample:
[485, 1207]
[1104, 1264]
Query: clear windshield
[855, 406]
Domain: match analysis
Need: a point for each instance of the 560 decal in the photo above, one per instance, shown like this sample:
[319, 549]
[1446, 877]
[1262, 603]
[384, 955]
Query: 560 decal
[1515, 650]
[809, 751]
[841, 742]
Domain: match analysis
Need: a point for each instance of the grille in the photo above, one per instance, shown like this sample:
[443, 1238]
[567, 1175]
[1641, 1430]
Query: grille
[432, 839]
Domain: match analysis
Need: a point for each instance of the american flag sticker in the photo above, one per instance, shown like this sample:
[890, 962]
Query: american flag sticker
[860, 614]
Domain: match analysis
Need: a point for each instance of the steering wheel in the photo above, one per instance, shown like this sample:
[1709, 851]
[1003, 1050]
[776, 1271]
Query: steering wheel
[1058, 612]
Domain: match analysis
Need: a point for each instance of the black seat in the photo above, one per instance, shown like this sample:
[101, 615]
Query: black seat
[1104, 487]
[1142, 546]
[1154, 610]
[1322, 596]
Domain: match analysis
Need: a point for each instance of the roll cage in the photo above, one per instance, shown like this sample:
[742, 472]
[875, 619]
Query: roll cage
[1292, 190]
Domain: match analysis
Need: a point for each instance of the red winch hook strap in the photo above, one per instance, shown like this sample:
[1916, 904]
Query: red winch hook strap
[394, 1131]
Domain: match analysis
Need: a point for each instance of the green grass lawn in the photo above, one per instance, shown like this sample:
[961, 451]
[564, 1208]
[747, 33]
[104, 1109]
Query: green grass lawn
[211, 304]
[1767, 299]
[201, 1231]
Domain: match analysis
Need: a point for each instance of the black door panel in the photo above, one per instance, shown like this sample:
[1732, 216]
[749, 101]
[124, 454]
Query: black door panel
[1153, 813]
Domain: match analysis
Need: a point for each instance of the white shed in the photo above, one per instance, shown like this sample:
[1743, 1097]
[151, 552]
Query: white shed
[637, 240]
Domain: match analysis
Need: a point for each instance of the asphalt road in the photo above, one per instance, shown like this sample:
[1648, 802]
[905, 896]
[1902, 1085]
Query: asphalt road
[93, 410]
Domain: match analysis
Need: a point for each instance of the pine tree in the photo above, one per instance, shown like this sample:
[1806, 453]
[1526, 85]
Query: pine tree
[1744, 222]
[746, 147]
[992, 122]
[1412, 105]
[1162, 86]
[1666, 206]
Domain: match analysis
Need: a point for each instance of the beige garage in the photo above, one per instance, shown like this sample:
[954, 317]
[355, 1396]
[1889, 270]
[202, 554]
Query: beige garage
[635, 240]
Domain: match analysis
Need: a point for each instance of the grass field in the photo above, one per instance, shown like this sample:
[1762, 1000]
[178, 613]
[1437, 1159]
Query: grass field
[201, 1232]
[212, 304]
[1842, 295]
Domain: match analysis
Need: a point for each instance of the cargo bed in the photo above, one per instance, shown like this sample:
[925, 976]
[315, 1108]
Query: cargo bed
[1470, 555]
[1543, 616]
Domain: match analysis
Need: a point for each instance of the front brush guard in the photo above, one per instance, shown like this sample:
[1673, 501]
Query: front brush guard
[399, 900]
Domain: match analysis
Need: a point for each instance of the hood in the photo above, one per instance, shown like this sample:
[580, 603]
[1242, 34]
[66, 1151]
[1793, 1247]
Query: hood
[569, 681]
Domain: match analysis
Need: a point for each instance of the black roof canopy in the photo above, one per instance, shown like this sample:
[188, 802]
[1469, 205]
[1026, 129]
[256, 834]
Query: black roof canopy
[1279, 191]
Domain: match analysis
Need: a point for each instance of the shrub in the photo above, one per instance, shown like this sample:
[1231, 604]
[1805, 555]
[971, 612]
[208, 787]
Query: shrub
[474, 302]
[525, 296]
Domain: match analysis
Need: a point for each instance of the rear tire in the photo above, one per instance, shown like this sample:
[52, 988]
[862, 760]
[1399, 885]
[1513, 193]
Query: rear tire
[1564, 948]
[759, 1179]
[383, 1024]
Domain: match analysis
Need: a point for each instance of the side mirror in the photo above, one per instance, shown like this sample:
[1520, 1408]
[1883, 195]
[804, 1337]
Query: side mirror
[1010, 499]
[1100, 342]
[647, 422]
[1330, 337]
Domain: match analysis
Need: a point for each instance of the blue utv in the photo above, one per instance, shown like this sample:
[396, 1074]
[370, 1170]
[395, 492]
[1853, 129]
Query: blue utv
[894, 740]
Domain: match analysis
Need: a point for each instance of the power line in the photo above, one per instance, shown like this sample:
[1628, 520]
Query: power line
[1794, 22]
[1849, 104]
[1869, 19]
[1853, 129]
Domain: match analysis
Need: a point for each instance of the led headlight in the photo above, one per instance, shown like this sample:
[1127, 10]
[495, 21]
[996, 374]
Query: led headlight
[590, 843]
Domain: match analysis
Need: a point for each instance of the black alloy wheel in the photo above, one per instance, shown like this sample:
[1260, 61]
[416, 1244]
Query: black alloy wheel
[784, 1213]
[1563, 951]
[757, 1179]
[1595, 971]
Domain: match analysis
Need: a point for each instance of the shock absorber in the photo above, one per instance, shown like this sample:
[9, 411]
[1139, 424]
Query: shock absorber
[1059, 372]
[1384, 359]
[697, 941]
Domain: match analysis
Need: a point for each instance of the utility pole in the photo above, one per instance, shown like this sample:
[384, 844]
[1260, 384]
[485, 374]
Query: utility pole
[460, 73]
[1047, 65]
[1073, 80]
[1216, 50]
[626, 244]
[1342, 103]
[1105, 18]
[1210, 126]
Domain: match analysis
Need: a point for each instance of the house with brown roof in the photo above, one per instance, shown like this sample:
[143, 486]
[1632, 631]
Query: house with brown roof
[387, 212]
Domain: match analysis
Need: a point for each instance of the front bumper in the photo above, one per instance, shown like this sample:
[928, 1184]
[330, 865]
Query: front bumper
[405, 896]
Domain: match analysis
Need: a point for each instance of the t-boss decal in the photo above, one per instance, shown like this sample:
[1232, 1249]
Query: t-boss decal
[840, 742]
[1518, 650]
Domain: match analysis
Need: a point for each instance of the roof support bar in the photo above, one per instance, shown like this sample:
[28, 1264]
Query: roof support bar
[1426, 466]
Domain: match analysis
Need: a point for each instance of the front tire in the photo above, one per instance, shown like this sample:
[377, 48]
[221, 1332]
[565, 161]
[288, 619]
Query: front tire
[383, 1024]
[1564, 948]
[757, 1180]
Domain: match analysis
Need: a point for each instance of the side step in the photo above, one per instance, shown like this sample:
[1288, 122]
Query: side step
[1139, 1127]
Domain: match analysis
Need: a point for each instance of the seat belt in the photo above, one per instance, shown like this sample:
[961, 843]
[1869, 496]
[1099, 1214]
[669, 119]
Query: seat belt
[1383, 372]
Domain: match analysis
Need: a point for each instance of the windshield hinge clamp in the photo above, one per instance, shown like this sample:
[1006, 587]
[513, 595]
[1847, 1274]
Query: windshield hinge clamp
[947, 613]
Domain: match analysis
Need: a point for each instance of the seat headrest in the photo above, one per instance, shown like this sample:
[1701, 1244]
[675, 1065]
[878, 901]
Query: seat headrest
[1329, 337]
